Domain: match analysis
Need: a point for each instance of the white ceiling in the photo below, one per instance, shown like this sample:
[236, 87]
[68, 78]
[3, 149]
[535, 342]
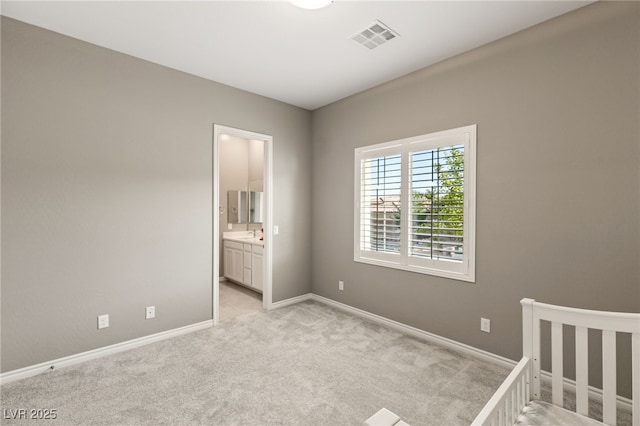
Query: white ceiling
[272, 48]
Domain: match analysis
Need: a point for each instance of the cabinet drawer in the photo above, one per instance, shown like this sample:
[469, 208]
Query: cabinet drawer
[247, 248]
[258, 249]
[233, 244]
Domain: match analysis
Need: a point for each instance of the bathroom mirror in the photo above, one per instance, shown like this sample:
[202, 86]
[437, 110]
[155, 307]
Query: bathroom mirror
[237, 204]
[255, 207]
[245, 206]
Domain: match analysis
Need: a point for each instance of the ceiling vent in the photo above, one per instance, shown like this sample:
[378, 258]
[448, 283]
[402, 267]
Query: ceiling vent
[374, 35]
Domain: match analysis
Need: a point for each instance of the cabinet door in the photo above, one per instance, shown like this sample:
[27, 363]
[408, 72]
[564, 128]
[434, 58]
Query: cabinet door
[233, 264]
[247, 257]
[246, 264]
[257, 269]
[246, 277]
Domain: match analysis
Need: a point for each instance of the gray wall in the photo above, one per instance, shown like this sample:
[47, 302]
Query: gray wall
[107, 193]
[558, 178]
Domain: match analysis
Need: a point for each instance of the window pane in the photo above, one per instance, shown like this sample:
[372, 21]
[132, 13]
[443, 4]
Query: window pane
[437, 203]
[380, 204]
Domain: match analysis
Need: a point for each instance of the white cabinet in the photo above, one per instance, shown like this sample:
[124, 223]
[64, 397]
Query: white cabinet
[246, 276]
[257, 267]
[233, 256]
[243, 263]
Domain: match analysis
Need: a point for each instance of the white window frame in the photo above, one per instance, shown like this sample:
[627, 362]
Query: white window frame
[464, 270]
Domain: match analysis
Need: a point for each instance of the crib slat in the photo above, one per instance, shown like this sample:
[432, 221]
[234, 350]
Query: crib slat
[526, 390]
[635, 381]
[507, 410]
[512, 406]
[520, 389]
[531, 345]
[609, 377]
[582, 371]
[556, 364]
[526, 394]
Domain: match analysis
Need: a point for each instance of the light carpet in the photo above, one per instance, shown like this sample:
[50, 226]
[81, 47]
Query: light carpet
[307, 364]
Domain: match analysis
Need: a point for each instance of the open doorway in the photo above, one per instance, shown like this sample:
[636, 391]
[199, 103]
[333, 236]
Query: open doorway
[244, 211]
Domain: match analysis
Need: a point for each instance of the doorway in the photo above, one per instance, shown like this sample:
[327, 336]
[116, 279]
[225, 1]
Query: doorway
[219, 133]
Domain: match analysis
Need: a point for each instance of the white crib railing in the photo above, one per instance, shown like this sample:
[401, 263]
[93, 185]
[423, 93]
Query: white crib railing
[523, 384]
[507, 402]
[609, 323]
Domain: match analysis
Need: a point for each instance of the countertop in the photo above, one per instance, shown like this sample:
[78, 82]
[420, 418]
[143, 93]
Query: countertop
[245, 237]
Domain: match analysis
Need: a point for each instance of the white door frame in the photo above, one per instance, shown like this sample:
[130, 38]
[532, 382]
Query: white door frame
[218, 131]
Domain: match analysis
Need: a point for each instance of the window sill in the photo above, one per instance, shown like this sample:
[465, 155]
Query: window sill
[459, 276]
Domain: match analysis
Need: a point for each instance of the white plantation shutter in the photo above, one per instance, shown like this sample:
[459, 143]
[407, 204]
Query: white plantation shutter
[380, 201]
[437, 204]
[415, 204]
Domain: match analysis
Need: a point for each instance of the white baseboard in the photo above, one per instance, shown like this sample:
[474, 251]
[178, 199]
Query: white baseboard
[43, 367]
[420, 334]
[291, 301]
[23, 373]
[570, 385]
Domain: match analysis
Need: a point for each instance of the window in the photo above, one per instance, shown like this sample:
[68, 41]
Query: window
[415, 204]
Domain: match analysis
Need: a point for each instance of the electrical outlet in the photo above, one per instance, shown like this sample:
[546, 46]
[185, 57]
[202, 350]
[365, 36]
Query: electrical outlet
[340, 285]
[150, 312]
[485, 325]
[276, 229]
[103, 321]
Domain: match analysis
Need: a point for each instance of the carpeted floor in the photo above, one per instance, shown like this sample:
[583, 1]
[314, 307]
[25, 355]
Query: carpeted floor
[306, 364]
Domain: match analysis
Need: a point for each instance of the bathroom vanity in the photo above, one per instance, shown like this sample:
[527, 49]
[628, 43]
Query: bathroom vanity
[243, 259]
